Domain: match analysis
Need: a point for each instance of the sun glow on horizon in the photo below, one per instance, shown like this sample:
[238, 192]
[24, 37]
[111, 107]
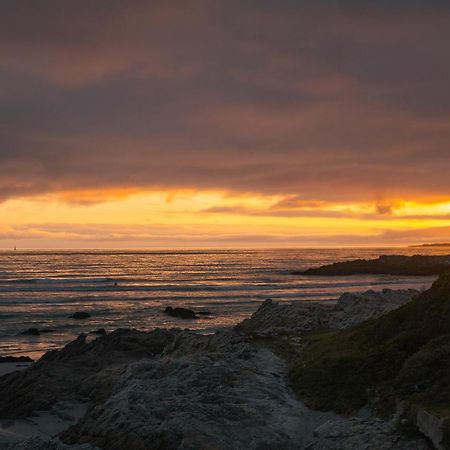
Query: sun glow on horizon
[193, 217]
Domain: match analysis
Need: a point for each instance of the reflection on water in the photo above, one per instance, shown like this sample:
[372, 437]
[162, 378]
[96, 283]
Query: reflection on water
[131, 288]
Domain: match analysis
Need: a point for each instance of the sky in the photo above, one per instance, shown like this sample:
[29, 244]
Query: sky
[224, 123]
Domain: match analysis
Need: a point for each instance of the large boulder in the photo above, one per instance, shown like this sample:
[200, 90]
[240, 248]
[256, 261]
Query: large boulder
[80, 315]
[181, 313]
[30, 332]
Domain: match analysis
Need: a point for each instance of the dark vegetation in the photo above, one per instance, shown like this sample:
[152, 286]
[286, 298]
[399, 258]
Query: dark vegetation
[404, 354]
[386, 265]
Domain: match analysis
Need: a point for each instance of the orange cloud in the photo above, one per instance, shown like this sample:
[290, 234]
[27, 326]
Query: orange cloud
[210, 218]
[93, 196]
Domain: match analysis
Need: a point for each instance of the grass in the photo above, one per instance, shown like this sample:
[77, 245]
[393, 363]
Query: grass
[405, 354]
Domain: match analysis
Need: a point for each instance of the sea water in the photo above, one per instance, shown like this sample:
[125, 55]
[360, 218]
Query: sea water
[130, 289]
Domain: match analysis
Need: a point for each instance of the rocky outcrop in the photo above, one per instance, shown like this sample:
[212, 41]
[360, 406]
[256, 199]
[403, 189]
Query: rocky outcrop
[15, 359]
[35, 332]
[275, 319]
[387, 264]
[181, 313]
[39, 443]
[100, 332]
[82, 370]
[80, 315]
[173, 389]
[184, 313]
[31, 332]
[367, 434]
[212, 400]
[166, 389]
[356, 307]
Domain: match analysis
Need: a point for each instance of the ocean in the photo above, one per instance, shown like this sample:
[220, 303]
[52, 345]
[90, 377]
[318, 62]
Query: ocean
[130, 289]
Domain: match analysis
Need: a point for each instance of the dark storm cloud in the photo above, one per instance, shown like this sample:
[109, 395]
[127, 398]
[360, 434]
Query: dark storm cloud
[337, 100]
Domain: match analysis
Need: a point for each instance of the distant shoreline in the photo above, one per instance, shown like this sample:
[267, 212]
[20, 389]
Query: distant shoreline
[442, 244]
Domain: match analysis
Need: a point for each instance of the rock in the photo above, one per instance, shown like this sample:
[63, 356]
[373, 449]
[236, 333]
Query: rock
[18, 359]
[275, 319]
[100, 331]
[202, 394]
[363, 434]
[435, 428]
[204, 313]
[35, 332]
[39, 443]
[31, 332]
[166, 389]
[178, 390]
[82, 369]
[426, 374]
[181, 313]
[386, 264]
[356, 307]
[80, 315]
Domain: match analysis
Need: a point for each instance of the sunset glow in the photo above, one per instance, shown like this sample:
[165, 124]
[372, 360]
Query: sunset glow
[192, 218]
[224, 124]
[224, 224]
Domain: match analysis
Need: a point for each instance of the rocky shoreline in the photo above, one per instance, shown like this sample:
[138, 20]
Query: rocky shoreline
[417, 265]
[274, 319]
[175, 389]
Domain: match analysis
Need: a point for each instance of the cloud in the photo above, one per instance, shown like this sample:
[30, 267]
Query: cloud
[429, 235]
[245, 211]
[329, 101]
[156, 236]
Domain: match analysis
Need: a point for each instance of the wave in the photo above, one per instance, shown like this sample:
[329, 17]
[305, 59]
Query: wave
[106, 285]
[57, 280]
